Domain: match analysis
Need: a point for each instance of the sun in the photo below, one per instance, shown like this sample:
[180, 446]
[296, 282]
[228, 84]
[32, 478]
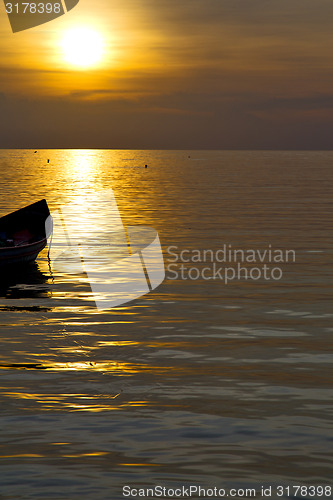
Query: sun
[82, 47]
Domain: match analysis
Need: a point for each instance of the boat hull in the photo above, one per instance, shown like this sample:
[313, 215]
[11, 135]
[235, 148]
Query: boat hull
[22, 254]
[29, 220]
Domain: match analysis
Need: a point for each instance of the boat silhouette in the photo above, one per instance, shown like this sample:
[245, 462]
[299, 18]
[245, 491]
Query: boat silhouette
[23, 234]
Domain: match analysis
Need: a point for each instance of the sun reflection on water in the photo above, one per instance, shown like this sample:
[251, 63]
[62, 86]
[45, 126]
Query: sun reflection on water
[77, 402]
[116, 367]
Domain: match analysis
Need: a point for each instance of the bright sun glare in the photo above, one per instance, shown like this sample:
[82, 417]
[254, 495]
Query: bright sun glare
[83, 47]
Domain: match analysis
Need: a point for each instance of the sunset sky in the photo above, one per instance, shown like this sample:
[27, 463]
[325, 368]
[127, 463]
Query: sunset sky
[183, 74]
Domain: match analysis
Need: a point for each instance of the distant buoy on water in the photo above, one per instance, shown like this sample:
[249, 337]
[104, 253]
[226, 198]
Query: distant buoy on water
[146, 166]
[35, 151]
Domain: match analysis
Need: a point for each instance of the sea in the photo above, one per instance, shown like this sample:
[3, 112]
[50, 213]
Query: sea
[215, 383]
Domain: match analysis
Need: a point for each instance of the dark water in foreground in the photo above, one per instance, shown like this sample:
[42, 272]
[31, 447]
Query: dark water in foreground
[197, 383]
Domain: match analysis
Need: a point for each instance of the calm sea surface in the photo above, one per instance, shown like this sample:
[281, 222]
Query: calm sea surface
[198, 382]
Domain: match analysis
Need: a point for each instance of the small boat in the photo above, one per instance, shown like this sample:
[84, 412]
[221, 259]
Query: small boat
[23, 234]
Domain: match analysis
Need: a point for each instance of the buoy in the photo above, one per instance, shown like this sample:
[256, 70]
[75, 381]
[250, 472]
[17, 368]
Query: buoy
[35, 151]
[146, 166]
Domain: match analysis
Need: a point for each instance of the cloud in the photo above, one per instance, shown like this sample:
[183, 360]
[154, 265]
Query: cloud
[174, 121]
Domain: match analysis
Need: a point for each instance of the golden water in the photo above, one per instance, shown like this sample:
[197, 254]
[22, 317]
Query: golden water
[197, 382]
